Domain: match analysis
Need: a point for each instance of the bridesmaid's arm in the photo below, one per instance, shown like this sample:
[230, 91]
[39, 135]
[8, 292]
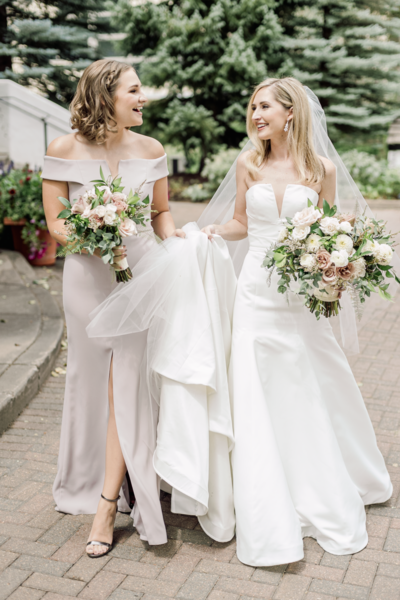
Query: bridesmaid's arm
[162, 221]
[328, 188]
[236, 228]
[53, 207]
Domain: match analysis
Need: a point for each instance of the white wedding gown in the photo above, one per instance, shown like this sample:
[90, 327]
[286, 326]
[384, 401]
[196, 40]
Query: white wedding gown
[305, 460]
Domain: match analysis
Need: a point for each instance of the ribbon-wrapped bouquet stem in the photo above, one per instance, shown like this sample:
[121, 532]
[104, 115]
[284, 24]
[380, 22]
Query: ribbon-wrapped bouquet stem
[101, 218]
[327, 253]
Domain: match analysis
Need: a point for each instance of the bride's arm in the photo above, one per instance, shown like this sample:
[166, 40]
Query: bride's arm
[236, 228]
[328, 188]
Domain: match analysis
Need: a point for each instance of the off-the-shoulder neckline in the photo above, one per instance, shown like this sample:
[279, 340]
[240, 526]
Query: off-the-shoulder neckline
[101, 159]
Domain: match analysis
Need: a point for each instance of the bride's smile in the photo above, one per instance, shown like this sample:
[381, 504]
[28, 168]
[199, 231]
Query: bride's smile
[269, 116]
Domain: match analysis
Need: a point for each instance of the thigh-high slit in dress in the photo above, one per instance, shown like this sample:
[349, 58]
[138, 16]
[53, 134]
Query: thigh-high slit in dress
[87, 282]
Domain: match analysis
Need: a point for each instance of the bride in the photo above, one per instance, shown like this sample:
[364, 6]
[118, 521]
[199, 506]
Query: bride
[305, 460]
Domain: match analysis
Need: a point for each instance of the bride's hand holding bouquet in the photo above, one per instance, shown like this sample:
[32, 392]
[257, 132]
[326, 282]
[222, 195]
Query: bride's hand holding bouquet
[328, 253]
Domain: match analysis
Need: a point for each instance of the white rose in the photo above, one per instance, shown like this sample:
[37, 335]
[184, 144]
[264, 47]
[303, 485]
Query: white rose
[300, 233]
[308, 216]
[100, 210]
[372, 247]
[110, 214]
[384, 255]
[282, 235]
[344, 242]
[127, 228]
[359, 268]
[345, 227]
[340, 258]
[329, 225]
[313, 242]
[308, 261]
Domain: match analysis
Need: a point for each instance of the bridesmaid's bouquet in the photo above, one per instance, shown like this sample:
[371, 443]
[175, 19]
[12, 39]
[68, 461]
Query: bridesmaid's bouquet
[328, 253]
[101, 218]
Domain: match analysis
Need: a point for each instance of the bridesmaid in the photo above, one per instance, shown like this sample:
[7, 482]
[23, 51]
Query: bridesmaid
[107, 426]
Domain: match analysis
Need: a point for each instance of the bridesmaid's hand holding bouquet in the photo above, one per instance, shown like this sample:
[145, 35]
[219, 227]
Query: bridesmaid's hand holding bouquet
[328, 253]
[100, 219]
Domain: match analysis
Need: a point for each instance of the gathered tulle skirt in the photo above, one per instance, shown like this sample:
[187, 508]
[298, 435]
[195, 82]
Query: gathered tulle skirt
[305, 460]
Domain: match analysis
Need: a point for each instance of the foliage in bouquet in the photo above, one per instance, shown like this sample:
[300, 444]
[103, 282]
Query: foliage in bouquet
[21, 198]
[327, 253]
[101, 218]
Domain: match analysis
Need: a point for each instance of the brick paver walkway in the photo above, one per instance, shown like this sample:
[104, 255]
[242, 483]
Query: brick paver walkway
[42, 551]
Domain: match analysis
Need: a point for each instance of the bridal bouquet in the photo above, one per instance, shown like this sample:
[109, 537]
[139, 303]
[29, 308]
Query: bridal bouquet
[328, 253]
[101, 218]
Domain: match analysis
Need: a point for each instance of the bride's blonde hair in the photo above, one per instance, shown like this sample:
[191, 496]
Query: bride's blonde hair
[92, 108]
[291, 94]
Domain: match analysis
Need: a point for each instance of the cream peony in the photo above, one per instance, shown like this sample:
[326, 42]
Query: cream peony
[127, 228]
[359, 267]
[340, 258]
[384, 254]
[300, 233]
[344, 242]
[346, 227]
[283, 234]
[308, 216]
[329, 225]
[308, 261]
[372, 247]
[313, 242]
[110, 214]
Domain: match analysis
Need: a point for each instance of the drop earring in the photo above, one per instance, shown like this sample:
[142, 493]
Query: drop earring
[286, 128]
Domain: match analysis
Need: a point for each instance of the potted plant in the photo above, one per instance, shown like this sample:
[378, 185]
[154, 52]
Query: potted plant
[21, 207]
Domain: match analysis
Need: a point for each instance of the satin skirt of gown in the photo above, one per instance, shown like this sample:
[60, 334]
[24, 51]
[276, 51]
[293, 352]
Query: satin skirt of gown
[87, 282]
[305, 460]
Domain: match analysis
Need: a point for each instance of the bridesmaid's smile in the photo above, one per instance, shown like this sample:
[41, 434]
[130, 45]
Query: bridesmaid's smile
[129, 100]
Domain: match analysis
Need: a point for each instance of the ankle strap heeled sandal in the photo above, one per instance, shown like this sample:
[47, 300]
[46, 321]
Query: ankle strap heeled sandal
[96, 543]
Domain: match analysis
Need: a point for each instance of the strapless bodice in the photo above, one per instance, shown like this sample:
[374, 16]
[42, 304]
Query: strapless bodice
[264, 221]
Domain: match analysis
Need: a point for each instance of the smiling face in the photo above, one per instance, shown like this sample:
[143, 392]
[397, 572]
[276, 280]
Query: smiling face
[129, 100]
[269, 116]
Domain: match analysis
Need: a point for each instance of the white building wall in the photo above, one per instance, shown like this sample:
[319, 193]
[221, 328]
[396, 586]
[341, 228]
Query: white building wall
[26, 119]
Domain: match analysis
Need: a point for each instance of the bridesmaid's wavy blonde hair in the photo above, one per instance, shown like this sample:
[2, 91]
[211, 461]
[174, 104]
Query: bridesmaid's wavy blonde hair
[291, 94]
[92, 108]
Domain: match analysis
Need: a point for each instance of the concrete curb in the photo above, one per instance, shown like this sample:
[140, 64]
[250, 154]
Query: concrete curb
[30, 315]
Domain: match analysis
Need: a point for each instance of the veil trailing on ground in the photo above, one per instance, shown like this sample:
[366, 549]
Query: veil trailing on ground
[348, 200]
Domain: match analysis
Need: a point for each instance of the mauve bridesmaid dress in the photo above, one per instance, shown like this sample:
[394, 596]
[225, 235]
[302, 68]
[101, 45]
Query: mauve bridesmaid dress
[87, 282]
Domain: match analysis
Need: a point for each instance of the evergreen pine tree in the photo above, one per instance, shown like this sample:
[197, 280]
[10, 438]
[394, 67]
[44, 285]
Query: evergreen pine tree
[348, 53]
[50, 39]
[210, 54]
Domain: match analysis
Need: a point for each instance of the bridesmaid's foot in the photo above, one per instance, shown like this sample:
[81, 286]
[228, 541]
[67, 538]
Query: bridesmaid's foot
[102, 528]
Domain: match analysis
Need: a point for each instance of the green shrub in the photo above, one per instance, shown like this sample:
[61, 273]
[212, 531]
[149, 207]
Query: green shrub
[215, 169]
[21, 198]
[373, 176]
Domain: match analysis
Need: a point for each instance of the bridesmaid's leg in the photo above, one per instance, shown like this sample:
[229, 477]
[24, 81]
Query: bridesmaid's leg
[103, 524]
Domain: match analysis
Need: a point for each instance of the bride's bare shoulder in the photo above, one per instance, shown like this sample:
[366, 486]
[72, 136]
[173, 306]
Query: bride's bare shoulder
[242, 160]
[329, 166]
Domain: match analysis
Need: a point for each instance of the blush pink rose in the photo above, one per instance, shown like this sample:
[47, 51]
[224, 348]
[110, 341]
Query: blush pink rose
[127, 228]
[347, 217]
[107, 193]
[79, 206]
[120, 205]
[324, 259]
[329, 274]
[348, 272]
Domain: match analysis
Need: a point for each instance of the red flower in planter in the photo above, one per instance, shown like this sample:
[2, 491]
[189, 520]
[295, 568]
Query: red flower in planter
[12, 191]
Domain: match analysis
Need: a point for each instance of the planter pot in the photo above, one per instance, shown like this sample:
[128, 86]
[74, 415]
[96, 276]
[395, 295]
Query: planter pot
[49, 257]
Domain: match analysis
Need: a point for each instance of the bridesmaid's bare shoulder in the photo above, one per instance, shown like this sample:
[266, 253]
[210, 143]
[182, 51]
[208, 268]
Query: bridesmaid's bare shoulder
[148, 147]
[64, 146]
